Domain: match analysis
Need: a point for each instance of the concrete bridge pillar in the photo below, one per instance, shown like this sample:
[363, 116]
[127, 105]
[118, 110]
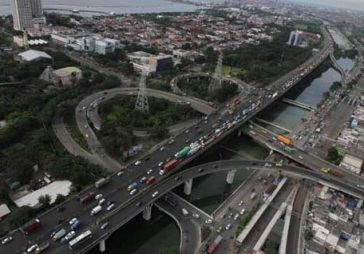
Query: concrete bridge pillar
[188, 187]
[230, 176]
[147, 212]
[102, 245]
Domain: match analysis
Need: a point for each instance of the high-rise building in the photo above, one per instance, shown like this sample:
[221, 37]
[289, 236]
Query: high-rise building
[22, 14]
[295, 38]
[37, 10]
[27, 13]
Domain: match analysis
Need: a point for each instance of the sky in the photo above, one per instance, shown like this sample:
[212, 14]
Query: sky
[349, 4]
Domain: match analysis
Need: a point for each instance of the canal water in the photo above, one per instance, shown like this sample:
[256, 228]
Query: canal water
[309, 92]
[160, 235]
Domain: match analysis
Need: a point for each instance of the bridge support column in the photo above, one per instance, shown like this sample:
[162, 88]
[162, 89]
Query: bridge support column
[188, 187]
[147, 212]
[102, 245]
[230, 176]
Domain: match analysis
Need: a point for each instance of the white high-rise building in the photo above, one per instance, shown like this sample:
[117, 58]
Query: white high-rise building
[22, 14]
[37, 10]
[27, 13]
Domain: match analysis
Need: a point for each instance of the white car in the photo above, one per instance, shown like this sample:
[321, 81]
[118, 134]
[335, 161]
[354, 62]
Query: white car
[110, 207]
[155, 194]
[7, 240]
[98, 196]
[149, 171]
[32, 248]
[236, 216]
[103, 226]
[160, 164]
[132, 192]
[162, 149]
[300, 157]
[137, 163]
[208, 221]
[241, 203]
[228, 226]
[73, 220]
[195, 215]
[120, 173]
[102, 201]
[242, 211]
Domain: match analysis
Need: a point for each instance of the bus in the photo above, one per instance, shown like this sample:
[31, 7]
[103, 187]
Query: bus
[79, 239]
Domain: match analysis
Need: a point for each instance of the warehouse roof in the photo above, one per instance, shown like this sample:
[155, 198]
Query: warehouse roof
[33, 55]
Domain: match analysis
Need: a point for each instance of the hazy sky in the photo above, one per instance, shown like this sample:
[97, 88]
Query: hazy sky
[350, 4]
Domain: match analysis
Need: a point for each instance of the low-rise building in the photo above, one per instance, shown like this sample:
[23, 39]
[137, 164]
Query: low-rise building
[352, 163]
[33, 56]
[4, 211]
[62, 77]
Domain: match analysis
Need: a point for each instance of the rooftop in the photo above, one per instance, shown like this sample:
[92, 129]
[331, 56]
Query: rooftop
[31, 55]
[66, 71]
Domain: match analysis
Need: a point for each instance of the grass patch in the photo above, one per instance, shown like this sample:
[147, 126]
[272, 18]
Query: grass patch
[244, 220]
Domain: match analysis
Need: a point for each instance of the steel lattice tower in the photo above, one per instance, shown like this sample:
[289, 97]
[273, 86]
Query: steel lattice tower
[141, 103]
[216, 80]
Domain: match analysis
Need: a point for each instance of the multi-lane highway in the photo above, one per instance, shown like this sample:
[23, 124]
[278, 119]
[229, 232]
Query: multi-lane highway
[207, 132]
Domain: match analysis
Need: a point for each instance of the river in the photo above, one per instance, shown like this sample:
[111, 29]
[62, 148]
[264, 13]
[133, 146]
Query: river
[117, 6]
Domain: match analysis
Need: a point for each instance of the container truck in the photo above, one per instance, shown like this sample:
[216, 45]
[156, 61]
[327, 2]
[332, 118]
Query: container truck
[213, 246]
[42, 247]
[34, 224]
[101, 182]
[88, 197]
[60, 233]
[183, 152]
[284, 140]
[170, 165]
[96, 210]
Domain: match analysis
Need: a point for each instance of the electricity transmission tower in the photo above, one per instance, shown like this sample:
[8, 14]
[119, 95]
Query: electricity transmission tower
[216, 80]
[141, 103]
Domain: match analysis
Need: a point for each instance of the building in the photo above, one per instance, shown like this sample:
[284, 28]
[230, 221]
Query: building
[53, 189]
[161, 62]
[4, 211]
[143, 61]
[33, 56]
[295, 38]
[22, 14]
[352, 163]
[62, 77]
[27, 14]
[104, 46]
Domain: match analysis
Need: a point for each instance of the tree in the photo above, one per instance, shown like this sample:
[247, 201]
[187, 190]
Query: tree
[333, 155]
[45, 200]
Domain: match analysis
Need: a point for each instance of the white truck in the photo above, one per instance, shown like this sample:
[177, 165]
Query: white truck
[96, 210]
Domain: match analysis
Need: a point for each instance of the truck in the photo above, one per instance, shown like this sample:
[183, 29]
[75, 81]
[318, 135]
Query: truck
[213, 246]
[284, 140]
[96, 210]
[170, 165]
[101, 182]
[88, 197]
[75, 225]
[60, 233]
[183, 152]
[337, 173]
[34, 224]
[289, 149]
[41, 247]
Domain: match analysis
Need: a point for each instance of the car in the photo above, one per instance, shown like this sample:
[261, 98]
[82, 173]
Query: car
[149, 171]
[228, 226]
[195, 215]
[162, 148]
[161, 172]
[230, 215]
[32, 248]
[110, 207]
[133, 191]
[143, 179]
[171, 141]
[147, 159]
[300, 157]
[73, 220]
[104, 225]
[120, 173]
[109, 203]
[187, 141]
[208, 221]
[102, 201]
[68, 237]
[236, 216]
[200, 170]
[219, 229]
[241, 203]
[139, 204]
[160, 164]
[187, 131]
[7, 240]
[98, 196]
[137, 163]
[155, 194]
[242, 211]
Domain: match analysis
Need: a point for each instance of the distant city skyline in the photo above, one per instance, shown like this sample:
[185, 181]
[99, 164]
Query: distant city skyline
[348, 4]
